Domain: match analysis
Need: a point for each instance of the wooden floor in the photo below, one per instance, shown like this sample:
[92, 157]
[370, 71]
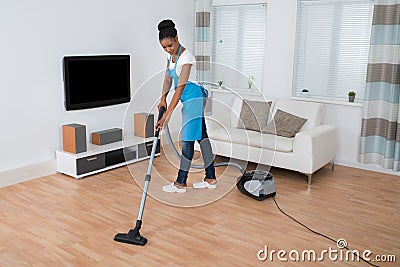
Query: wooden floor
[59, 221]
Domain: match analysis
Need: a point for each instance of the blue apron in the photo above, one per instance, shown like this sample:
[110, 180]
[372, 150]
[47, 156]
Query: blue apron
[192, 99]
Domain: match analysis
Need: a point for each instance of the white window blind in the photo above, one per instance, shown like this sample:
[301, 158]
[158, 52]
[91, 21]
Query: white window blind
[332, 44]
[238, 44]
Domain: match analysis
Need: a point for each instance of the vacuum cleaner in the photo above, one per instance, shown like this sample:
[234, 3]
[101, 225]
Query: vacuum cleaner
[256, 184]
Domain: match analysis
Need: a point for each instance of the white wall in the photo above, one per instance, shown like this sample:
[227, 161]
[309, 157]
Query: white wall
[35, 35]
[348, 131]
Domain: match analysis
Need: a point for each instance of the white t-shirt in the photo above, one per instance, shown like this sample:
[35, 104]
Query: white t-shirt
[185, 58]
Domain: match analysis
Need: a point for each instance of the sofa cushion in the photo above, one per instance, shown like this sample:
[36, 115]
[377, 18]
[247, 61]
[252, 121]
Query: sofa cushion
[311, 111]
[234, 135]
[284, 124]
[252, 138]
[237, 106]
[273, 142]
[254, 115]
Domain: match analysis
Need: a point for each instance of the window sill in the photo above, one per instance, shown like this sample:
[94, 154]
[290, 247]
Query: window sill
[238, 91]
[327, 101]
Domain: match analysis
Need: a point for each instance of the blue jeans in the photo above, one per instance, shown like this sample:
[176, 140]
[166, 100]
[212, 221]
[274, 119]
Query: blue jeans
[187, 156]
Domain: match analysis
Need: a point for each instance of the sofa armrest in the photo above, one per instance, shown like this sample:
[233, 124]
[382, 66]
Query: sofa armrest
[315, 147]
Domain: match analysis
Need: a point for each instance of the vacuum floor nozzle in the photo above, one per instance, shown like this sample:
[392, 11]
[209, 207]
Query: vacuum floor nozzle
[132, 237]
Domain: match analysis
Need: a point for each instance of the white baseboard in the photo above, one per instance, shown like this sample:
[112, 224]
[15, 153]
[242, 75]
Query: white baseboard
[27, 173]
[368, 167]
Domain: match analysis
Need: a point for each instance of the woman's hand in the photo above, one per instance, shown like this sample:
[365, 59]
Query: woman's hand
[163, 121]
[163, 103]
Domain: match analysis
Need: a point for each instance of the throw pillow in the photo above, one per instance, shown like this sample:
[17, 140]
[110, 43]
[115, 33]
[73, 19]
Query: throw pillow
[254, 115]
[286, 124]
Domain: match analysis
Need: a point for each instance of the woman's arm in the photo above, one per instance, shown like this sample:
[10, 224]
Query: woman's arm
[165, 90]
[183, 78]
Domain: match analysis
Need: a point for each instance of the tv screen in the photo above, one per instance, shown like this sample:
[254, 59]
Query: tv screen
[96, 81]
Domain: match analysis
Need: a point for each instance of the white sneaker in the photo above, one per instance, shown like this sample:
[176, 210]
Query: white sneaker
[172, 188]
[204, 184]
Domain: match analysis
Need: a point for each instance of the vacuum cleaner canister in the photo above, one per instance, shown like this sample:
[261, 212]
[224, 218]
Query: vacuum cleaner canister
[257, 184]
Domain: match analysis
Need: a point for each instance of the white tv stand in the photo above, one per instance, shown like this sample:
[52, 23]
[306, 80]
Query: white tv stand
[105, 157]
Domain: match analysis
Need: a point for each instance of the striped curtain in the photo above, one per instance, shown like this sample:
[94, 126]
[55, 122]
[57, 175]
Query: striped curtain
[380, 131]
[202, 48]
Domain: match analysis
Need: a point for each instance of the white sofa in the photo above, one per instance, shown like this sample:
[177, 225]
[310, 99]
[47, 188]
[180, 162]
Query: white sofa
[313, 146]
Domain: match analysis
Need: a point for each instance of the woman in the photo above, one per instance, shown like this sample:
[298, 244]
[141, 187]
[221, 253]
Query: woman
[181, 70]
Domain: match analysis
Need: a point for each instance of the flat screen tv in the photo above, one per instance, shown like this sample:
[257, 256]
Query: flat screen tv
[96, 81]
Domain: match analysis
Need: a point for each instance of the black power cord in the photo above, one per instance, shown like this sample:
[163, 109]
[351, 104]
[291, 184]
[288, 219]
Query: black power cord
[318, 233]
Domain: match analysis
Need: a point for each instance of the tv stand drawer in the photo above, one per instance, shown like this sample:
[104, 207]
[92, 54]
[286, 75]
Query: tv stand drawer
[91, 163]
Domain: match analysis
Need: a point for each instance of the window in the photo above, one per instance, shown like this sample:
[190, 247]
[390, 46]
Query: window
[332, 44]
[238, 44]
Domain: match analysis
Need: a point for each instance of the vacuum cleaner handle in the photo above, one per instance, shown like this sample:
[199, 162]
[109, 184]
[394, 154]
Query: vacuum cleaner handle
[133, 236]
[160, 114]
